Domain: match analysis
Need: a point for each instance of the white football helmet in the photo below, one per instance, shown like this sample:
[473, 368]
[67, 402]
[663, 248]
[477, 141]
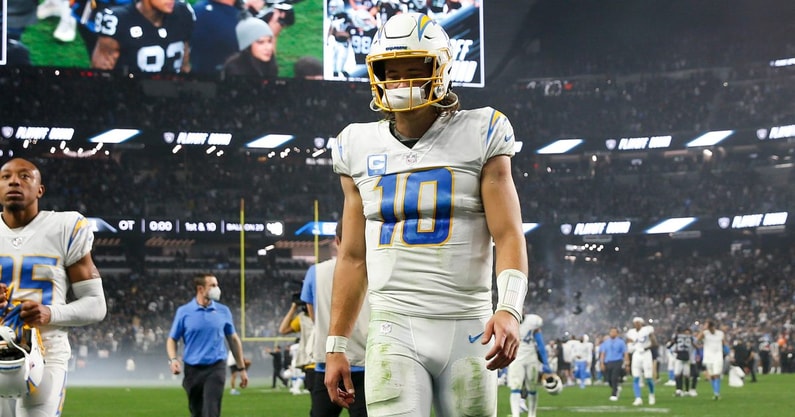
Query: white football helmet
[534, 321]
[553, 384]
[335, 6]
[21, 362]
[410, 35]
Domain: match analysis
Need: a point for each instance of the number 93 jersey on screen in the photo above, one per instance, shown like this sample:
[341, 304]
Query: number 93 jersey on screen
[144, 47]
[423, 210]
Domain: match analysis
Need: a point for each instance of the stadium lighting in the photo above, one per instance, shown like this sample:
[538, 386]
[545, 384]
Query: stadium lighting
[270, 141]
[115, 136]
[670, 225]
[529, 227]
[710, 138]
[560, 146]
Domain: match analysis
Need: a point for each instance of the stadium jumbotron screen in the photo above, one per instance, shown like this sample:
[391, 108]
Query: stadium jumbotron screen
[314, 39]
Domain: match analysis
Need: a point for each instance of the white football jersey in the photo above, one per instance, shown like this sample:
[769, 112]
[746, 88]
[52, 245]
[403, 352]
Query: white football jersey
[33, 259]
[639, 339]
[428, 248]
[528, 348]
[324, 280]
[713, 345]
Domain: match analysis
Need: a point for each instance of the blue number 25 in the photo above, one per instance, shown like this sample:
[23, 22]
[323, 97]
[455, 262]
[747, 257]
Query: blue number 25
[422, 200]
[25, 280]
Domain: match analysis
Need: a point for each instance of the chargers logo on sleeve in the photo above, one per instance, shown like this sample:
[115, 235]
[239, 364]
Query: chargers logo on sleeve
[376, 164]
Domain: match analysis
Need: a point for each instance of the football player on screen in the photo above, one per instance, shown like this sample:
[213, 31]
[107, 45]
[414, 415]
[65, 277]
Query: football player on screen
[146, 36]
[640, 342]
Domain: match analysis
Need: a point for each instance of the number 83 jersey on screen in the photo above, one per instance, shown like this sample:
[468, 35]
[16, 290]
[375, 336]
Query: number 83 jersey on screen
[424, 213]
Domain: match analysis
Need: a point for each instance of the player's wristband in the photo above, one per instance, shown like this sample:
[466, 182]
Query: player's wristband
[511, 290]
[336, 344]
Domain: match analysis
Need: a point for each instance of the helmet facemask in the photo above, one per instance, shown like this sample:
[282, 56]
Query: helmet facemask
[409, 35]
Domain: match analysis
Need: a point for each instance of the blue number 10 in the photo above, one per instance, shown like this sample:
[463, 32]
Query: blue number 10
[422, 200]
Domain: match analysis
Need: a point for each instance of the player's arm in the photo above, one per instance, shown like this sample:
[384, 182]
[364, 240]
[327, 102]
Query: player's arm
[106, 53]
[87, 308]
[542, 353]
[347, 294]
[236, 347]
[504, 220]
[285, 327]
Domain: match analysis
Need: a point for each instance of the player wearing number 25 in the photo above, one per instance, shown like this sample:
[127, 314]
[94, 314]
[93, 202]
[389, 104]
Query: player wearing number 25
[144, 36]
[42, 255]
[426, 191]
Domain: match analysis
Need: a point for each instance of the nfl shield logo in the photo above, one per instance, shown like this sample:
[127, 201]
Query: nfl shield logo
[723, 222]
[610, 144]
[168, 137]
[761, 134]
[565, 229]
[7, 131]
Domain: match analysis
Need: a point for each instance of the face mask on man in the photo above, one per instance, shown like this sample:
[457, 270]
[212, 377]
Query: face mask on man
[214, 293]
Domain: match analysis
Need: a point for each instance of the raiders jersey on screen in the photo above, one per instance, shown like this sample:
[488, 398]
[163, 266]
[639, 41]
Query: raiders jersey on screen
[426, 235]
[34, 258]
[144, 47]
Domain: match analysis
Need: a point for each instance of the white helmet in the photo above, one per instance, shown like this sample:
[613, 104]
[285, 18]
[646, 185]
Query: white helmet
[410, 35]
[553, 384]
[21, 362]
[335, 6]
[534, 321]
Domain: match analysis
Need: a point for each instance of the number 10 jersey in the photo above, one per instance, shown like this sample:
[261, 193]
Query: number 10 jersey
[429, 251]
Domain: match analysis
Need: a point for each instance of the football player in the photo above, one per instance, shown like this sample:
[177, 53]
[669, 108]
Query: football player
[145, 36]
[714, 342]
[682, 352]
[339, 36]
[640, 341]
[523, 373]
[428, 194]
[45, 253]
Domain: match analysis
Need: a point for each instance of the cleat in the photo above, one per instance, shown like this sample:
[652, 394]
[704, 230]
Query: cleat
[638, 401]
[66, 30]
[652, 400]
[613, 398]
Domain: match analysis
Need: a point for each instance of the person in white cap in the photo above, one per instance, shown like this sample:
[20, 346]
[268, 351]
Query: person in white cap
[257, 56]
[640, 341]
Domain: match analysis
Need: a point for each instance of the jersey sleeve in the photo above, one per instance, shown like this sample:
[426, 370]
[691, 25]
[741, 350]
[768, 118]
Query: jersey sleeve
[499, 135]
[339, 153]
[80, 238]
[308, 287]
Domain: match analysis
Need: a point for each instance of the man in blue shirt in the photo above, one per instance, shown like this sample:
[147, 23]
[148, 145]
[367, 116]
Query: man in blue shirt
[203, 324]
[613, 355]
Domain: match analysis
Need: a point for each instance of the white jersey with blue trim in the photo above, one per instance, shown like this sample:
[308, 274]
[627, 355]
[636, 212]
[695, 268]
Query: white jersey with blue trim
[428, 247]
[639, 339]
[33, 261]
[528, 348]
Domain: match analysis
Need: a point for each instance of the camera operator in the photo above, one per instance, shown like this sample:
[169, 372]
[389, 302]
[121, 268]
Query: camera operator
[297, 320]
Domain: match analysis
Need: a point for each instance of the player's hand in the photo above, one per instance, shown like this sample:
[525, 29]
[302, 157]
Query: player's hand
[243, 378]
[34, 314]
[504, 328]
[338, 369]
[3, 295]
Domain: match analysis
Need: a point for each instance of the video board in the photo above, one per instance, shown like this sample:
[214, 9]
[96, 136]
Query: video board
[302, 43]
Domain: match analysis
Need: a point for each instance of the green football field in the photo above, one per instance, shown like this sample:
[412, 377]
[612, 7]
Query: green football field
[772, 396]
[303, 38]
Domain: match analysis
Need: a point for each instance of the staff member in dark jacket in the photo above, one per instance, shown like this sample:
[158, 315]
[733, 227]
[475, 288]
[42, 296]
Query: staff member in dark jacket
[257, 56]
[203, 324]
